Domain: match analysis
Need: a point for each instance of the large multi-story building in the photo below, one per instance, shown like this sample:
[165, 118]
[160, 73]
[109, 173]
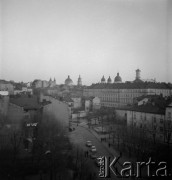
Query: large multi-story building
[120, 94]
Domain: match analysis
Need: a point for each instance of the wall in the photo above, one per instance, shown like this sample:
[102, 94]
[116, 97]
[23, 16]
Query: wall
[15, 115]
[122, 97]
[57, 108]
[77, 102]
[4, 100]
[87, 105]
[96, 103]
[147, 121]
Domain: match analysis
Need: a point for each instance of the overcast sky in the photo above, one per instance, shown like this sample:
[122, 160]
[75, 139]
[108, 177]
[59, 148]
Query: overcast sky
[40, 39]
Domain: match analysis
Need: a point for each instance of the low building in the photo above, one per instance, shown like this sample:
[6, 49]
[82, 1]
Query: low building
[152, 114]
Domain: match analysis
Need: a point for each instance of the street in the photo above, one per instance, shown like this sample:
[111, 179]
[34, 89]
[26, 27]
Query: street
[80, 135]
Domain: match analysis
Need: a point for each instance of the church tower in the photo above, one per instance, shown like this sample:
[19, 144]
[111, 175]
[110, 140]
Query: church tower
[138, 74]
[79, 81]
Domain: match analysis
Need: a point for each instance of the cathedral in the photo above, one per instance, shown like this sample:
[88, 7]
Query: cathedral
[69, 82]
[117, 79]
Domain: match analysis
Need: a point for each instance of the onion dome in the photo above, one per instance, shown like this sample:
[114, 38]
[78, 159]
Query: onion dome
[68, 81]
[103, 80]
[109, 80]
[117, 79]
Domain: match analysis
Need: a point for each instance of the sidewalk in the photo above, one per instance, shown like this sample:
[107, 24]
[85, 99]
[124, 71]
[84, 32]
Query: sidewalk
[112, 151]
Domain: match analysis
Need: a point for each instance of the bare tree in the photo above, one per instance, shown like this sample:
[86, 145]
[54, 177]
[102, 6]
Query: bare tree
[167, 131]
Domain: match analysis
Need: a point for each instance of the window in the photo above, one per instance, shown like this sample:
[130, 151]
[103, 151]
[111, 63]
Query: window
[161, 121]
[154, 119]
[161, 129]
[169, 115]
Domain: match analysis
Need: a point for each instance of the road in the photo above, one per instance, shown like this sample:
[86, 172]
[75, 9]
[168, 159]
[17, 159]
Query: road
[80, 135]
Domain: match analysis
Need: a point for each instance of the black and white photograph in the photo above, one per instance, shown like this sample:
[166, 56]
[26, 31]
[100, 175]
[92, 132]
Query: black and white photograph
[85, 89]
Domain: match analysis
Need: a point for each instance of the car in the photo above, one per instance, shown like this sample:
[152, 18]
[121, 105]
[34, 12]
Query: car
[93, 149]
[88, 143]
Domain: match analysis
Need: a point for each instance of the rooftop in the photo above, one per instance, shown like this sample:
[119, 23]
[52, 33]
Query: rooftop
[156, 105]
[130, 85]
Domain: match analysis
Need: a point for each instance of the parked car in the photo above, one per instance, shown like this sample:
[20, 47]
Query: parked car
[93, 149]
[88, 143]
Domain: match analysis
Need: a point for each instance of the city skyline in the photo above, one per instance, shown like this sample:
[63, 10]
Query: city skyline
[43, 39]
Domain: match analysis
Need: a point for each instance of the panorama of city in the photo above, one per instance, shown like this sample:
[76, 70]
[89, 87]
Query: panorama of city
[110, 129]
[85, 89]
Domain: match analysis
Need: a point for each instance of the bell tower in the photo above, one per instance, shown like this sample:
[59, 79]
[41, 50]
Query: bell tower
[79, 81]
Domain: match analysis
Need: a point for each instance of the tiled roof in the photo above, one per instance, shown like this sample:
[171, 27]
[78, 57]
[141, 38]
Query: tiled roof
[141, 85]
[158, 100]
[155, 105]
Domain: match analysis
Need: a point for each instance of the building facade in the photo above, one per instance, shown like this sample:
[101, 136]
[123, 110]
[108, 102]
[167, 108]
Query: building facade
[115, 95]
[154, 117]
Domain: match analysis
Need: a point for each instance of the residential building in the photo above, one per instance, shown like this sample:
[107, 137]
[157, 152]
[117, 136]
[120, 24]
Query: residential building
[154, 116]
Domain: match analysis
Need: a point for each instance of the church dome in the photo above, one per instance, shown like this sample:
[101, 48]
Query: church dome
[68, 81]
[109, 80]
[117, 79]
[103, 80]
